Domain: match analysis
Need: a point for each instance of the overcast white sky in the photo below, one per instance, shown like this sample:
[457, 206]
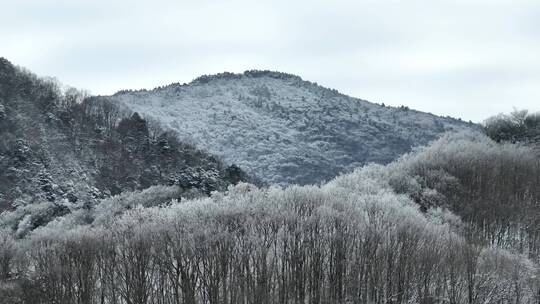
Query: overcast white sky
[463, 58]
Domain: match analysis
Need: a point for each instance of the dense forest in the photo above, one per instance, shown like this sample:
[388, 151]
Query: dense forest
[454, 222]
[60, 145]
[101, 205]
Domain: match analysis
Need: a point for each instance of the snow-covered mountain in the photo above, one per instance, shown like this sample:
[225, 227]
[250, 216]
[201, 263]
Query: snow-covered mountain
[283, 129]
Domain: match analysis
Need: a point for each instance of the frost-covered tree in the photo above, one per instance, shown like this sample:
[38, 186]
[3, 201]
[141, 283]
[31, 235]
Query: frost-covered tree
[518, 126]
[353, 240]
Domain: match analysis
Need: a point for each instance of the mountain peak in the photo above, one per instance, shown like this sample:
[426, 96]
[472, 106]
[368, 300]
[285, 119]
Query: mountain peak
[247, 74]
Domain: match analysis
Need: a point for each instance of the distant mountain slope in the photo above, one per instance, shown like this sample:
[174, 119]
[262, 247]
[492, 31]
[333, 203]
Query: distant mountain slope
[283, 129]
[65, 148]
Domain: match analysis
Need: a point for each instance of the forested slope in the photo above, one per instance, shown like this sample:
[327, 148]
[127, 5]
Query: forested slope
[283, 129]
[63, 147]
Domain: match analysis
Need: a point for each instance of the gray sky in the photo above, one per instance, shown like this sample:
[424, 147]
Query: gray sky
[463, 58]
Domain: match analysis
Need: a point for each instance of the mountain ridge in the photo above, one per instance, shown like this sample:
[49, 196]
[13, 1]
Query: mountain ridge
[256, 73]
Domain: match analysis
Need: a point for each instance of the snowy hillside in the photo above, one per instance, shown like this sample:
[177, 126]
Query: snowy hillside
[283, 129]
[63, 150]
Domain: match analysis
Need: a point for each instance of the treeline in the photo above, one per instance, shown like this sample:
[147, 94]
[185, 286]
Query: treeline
[353, 240]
